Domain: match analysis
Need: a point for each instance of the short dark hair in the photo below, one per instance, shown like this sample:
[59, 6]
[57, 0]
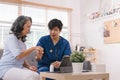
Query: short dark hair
[55, 22]
[18, 25]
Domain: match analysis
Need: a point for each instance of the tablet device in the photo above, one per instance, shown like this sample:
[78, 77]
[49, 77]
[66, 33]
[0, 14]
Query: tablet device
[66, 65]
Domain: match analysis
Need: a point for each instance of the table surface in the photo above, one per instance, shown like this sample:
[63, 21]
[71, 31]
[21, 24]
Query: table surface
[75, 76]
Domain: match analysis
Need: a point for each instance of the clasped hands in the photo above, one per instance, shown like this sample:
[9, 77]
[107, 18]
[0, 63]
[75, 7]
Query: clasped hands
[39, 52]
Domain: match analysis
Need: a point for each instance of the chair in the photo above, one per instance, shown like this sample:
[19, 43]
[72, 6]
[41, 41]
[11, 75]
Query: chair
[30, 58]
[1, 52]
[1, 79]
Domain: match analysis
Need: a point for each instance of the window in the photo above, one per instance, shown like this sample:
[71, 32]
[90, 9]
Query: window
[40, 17]
[38, 14]
[62, 15]
[8, 13]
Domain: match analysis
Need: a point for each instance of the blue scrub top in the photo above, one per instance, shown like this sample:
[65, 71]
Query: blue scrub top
[53, 52]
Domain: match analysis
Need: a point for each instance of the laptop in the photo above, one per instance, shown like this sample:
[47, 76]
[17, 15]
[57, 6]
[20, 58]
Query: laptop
[65, 66]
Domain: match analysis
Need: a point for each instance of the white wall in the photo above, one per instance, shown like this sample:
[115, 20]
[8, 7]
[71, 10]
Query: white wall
[75, 5]
[86, 8]
[92, 36]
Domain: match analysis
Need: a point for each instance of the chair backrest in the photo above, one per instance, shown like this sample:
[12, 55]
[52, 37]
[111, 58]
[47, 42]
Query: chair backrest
[1, 52]
[1, 79]
[31, 59]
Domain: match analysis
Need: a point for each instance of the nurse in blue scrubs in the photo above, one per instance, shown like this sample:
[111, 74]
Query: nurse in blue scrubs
[54, 45]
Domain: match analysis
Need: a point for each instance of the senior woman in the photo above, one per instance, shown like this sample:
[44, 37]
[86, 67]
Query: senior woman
[13, 64]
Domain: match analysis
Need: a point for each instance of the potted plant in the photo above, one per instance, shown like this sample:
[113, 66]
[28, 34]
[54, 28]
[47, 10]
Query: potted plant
[77, 58]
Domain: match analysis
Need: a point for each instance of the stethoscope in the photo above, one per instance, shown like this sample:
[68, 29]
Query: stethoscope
[56, 50]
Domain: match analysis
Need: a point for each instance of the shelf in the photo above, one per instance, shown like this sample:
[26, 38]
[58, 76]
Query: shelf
[101, 15]
[105, 17]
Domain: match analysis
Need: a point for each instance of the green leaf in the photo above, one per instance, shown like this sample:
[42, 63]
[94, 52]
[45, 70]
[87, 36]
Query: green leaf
[77, 56]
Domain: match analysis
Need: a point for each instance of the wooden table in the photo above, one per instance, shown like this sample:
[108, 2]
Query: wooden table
[74, 76]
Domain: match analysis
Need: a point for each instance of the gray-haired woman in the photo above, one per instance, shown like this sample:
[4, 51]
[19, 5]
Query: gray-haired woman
[13, 64]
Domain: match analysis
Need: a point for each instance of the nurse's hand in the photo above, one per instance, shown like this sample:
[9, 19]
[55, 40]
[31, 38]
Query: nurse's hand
[56, 64]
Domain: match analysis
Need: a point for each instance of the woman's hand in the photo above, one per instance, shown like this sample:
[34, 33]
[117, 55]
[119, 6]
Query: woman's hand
[39, 53]
[56, 64]
[39, 49]
[33, 68]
